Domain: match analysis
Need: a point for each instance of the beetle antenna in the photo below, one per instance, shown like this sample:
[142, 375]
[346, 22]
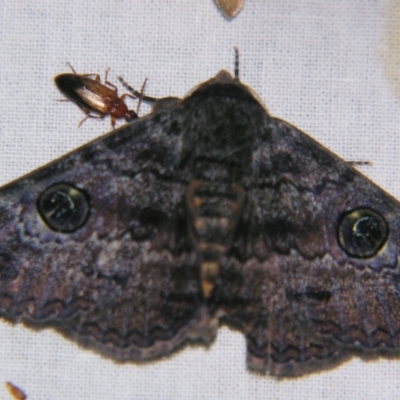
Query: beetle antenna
[135, 92]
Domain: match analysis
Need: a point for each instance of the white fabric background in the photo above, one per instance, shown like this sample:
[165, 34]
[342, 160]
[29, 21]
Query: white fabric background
[316, 63]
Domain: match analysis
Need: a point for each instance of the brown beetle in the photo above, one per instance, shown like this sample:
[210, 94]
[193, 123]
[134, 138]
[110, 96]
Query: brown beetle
[92, 96]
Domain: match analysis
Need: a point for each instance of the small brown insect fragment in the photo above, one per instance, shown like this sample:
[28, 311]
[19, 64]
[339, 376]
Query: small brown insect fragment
[229, 8]
[15, 391]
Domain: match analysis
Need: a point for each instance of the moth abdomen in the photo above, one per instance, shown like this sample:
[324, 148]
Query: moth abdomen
[214, 210]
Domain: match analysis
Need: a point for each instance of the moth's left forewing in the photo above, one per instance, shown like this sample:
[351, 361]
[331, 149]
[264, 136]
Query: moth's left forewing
[87, 244]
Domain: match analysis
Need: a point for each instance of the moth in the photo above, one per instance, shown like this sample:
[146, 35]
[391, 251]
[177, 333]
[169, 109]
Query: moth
[206, 211]
[97, 100]
[229, 8]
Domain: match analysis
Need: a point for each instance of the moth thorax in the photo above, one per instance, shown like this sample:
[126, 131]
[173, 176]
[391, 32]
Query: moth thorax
[223, 171]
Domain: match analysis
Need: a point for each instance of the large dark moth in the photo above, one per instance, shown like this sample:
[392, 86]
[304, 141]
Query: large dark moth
[206, 210]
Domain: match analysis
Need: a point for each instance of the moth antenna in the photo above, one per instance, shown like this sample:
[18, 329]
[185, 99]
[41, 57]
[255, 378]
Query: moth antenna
[236, 62]
[135, 92]
[358, 163]
[72, 68]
